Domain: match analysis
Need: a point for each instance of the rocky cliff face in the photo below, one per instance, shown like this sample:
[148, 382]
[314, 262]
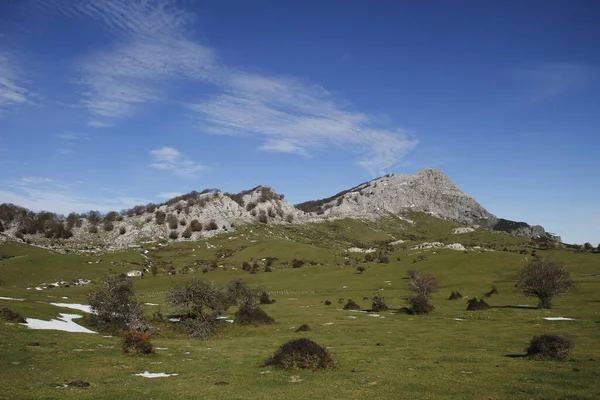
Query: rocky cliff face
[198, 215]
[427, 190]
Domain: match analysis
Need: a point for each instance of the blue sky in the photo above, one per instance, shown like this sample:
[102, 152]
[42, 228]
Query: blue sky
[108, 104]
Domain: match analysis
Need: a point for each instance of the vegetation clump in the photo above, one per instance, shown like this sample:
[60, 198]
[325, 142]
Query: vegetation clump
[304, 328]
[301, 354]
[264, 298]
[379, 304]
[136, 342]
[455, 296]
[11, 316]
[351, 305]
[251, 314]
[549, 347]
[475, 304]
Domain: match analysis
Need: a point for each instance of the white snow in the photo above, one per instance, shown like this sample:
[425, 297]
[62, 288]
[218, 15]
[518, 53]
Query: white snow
[161, 348]
[558, 319]
[352, 316]
[151, 304]
[63, 323]
[373, 315]
[74, 306]
[148, 374]
[10, 298]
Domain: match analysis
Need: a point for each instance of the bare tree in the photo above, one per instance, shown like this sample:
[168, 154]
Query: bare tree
[116, 308]
[422, 287]
[197, 298]
[544, 279]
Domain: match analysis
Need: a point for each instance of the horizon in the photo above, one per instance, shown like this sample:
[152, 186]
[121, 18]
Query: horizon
[109, 104]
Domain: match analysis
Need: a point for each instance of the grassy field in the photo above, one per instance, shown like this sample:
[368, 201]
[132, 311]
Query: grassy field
[448, 354]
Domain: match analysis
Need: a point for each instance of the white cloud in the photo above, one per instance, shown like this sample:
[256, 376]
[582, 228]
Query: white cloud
[295, 116]
[99, 124]
[32, 180]
[168, 195]
[546, 81]
[170, 159]
[12, 91]
[73, 136]
[65, 151]
[154, 47]
[63, 202]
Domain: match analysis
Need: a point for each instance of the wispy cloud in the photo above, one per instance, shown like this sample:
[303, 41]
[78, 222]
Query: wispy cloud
[64, 202]
[73, 136]
[12, 84]
[99, 124]
[151, 46]
[547, 81]
[170, 159]
[32, 180]
[295, 116]
[168, 195]
[154, 46]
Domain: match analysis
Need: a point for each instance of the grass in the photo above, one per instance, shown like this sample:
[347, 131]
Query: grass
[432, 356]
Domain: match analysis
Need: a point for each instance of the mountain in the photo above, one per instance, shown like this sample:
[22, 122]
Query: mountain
[196, 215]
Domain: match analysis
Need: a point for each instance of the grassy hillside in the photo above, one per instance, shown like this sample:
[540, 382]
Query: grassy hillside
[447, 354]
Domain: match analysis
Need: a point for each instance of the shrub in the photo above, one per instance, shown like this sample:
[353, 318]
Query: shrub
[422, 286]
[360, 269]
[197, 298]
[251, 314]
[160, 217]
[182, 222]
[12, 316]
[327, 303]
[93, 229]
[549, 347]
[212, 226]
[544, 279]
[303, 328]
[455, 296]
[172, 221]
[264, 298]
[187, 233]
[351, 305]
[379, 304]
[135, 342]
[419, 304]
[476, 305]
[297, 263]
[289, 218]
[201, 328]
[301, 354]
[196, 226]
[250, 206]
[108, 225]
[173, 235]
[262, 217]
[122, 230]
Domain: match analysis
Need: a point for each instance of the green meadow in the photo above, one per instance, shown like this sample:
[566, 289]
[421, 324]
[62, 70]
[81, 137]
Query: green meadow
[447, 354]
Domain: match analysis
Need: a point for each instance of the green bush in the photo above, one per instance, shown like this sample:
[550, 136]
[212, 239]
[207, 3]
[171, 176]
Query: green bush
[301, 354]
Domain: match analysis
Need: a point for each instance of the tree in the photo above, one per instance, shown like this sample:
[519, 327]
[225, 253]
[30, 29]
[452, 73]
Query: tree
[116, 308]
[196, 298]
[544, 279]
[422, 287]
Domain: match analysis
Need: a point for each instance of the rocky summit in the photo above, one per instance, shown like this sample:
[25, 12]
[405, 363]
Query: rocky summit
[200, 214]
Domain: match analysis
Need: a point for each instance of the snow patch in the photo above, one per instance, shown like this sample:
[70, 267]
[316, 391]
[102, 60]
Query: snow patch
[10, 298]
[558, 319]
[148, 374]
[74, 306]
[63, 323]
